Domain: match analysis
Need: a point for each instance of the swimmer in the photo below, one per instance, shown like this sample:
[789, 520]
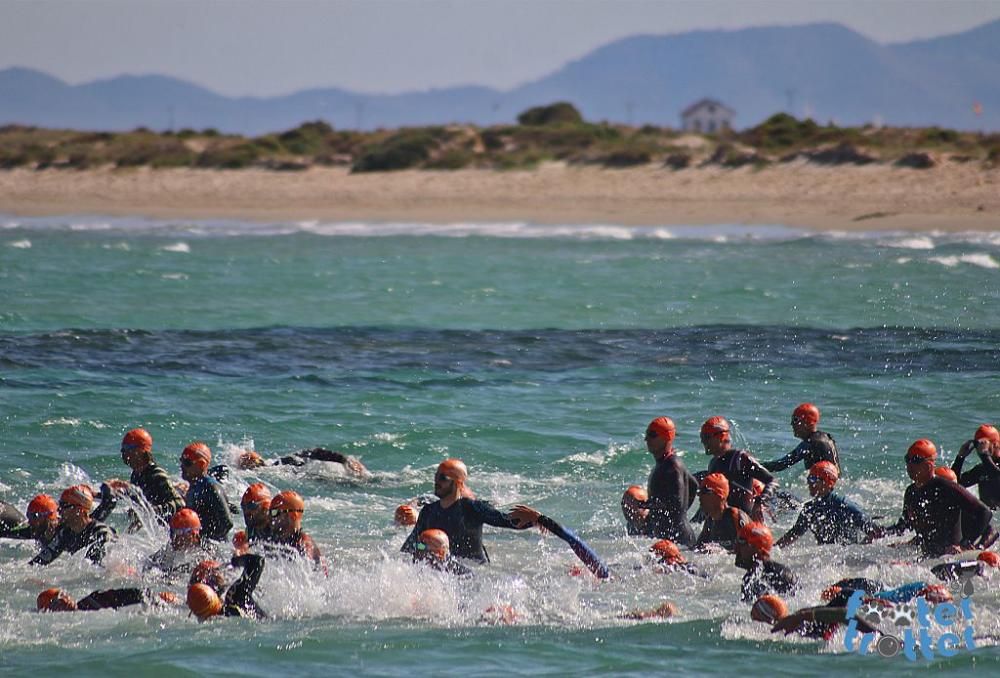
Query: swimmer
[739, 467]
[763, 575]
[665, 610]
[816, 445]
[205, 495]
[57, 600]
[255, 504]
[945, 516]
[433, 549]
[43, 522]
[252, 460]
[286, 511]
[184, 549]
[150, 478]
[986, 443]
[722, 521]
[460, 518]
[669, 559]
[984, 564]
[635, 512]
[405, 516]
[831, 518]
[77, 529]
[671, 488]
[208, 596]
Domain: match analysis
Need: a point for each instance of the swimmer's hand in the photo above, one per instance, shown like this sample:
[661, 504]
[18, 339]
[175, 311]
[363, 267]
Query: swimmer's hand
[118, 485]
[966, 449]
[794, 622]
[356, 467]
[524, 516]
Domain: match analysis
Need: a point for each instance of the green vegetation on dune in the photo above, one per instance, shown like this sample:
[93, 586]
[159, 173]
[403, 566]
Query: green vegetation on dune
[546, 133]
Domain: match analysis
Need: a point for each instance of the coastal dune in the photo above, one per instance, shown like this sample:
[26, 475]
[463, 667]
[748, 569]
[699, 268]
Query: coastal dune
[951, 196]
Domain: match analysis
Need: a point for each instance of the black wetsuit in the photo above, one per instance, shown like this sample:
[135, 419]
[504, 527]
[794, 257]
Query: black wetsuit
[238, 600]
[94, 538]
[943, 514]
[740, 469]
[833, 519]
[724, 530]
[671, 489]
[450, 565]
[315, 454]
[986, 475]
[206, 497]
[114, 599]
[766, 577]
[819, 446]
[463, 523]
[158, 490]
[10, 517]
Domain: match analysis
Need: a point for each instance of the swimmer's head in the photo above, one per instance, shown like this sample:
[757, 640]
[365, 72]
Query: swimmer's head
[823, 477]
[55, 600]
[753, 543]
[249, 460]
[137, 448]
[713, 493]
[203, 601]
[715, 436]
[75, 505]
[667, 552]
[209, 572]
[43, 511]
[660, 436]
[434, 543]
[769, 609]
[405, 515]
[805, 419]
[195, 460]
[634, 503]
[255, 504]
[286, 512]
[946, 473]
[920, 460]
[988, 440]
[990, 558]
[450, 474]
[185, 529]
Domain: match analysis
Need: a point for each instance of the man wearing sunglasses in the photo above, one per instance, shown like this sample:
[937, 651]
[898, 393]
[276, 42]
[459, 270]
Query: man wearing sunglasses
[205, 495]
[831, 518]
[77, 529]
[945, 516]
[986, 474]
[147, 475]
[462, 519]
[671, 488]
[286, 511]
[42, 522]
[739, 467]
[255, 504]
[816, 445]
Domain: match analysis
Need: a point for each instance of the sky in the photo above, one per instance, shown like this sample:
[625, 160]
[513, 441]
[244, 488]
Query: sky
[271, 47]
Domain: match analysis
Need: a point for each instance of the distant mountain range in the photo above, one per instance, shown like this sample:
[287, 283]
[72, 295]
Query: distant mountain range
[824, 71]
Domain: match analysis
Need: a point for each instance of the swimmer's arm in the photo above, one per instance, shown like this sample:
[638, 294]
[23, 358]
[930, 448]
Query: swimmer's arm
[981, 530]
[789, 460]
[410, 545]
[19, 532]
[486, 513]
[241, 592]
[580, 547]
[111, 598]
[973, 476]
[323, 454]
[797, 530]
[107, 505]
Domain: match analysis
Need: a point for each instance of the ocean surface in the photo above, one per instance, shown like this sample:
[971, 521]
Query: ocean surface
[536, 354]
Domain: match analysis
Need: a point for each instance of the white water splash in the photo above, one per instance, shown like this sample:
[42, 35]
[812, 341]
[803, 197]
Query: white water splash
[180, 247]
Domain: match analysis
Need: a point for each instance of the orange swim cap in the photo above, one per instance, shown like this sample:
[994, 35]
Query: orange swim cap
[807, 413]
[208, 572]
[405, 515]
[715, 427]
[825, 473]
[454, 469]
[946, 473]
[259, 494]
[199, 453]
[45, 598]
[715, 483]
[922, 448]
[138, 439]
[436, 541]
[78, 495]
[41, 506]
[185, 519]
[203, 601]
[758, 535]
[829, 593]
[987, 432]
[635, 494]
[288, 500]
[241, 542]
[990, 558]
[249, 460]
[769, 608]
[667, 552]
[662, 427]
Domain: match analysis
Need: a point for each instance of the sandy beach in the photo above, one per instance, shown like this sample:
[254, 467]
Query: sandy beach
[951, 196]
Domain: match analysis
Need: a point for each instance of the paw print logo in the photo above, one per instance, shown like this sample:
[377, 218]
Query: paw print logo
[902, 615]
[870, 614]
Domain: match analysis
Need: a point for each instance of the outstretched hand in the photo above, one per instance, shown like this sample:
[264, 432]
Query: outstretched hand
[524, 516]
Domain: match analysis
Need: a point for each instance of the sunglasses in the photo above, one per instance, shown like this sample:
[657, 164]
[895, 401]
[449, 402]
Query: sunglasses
[252, 505]
[64, 506]
[420, 546]
[812, 480]
[186, 462]
[704, 490]
[650, 435]
[182, 530]
[440, 477]
[913, 459]
[276, 512]
[36, 515]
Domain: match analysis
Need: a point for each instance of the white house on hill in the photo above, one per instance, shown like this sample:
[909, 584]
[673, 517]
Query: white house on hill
[707, 116]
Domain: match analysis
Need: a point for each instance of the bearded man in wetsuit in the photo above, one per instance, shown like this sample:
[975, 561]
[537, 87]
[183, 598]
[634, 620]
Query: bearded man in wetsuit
[739, 467]
[986, 443]
[77, 529]
[945, 516]
[671, 488]
[462, 519]
[205, 495]
[816, 445]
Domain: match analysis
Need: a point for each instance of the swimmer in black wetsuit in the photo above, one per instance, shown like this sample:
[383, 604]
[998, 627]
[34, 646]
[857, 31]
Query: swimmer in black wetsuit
[434, 549]
[763, 575]
[831, 518]
[945, 516]
[253, 460]
[739, 467]
[255, 504]
[208, 595]
[671, 488]
[77, 529]
[816, 445]
[722, 522]
[635, 512]
[185, 548]
[57, 600]
[460, 518]
[669, 559]
[151, 479]
[10, 516]
[286, 511]
[205, 495]
[42, 525]
[986, 474]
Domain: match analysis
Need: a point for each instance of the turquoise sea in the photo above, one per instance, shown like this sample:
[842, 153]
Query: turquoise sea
[536, 354]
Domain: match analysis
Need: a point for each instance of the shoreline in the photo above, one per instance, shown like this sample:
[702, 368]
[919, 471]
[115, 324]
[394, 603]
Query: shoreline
[950, 197]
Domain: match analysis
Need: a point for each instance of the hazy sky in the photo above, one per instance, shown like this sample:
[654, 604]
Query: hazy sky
[266, 47]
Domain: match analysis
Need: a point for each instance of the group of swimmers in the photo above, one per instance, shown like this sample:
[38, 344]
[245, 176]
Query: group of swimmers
[736, 494]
